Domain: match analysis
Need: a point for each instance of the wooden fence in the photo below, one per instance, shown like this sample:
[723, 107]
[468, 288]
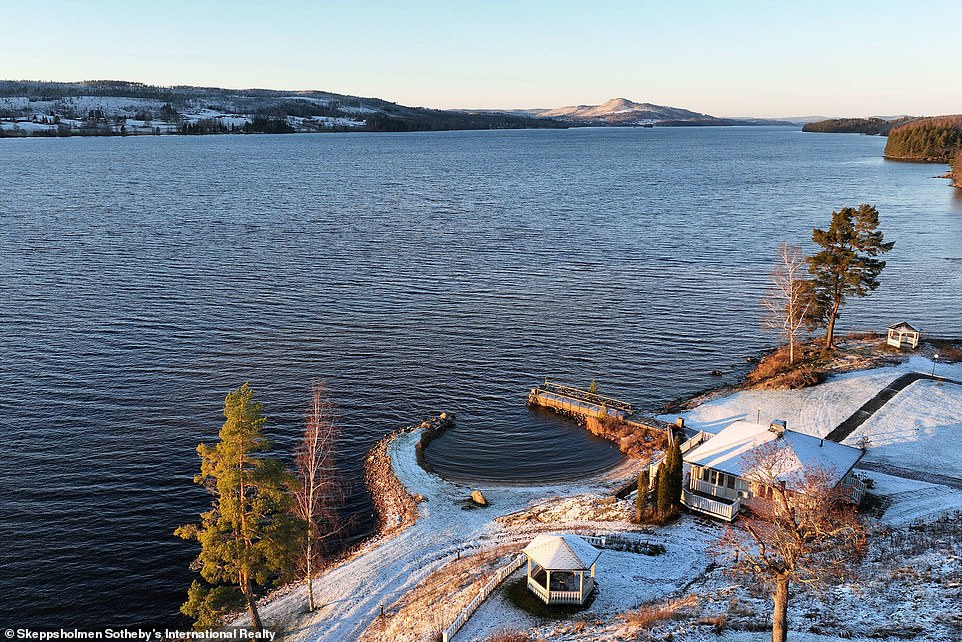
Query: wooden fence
[482, 595]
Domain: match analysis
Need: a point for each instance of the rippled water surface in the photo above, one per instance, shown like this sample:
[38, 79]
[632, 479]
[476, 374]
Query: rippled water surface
[142, 278]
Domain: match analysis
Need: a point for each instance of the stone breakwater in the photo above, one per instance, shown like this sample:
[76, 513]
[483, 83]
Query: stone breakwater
[396, 507]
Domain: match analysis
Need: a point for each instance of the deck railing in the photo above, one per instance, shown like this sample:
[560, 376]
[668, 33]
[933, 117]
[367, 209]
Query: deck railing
[583, 395]
[700, 437]
[711, 506]
[854, 489]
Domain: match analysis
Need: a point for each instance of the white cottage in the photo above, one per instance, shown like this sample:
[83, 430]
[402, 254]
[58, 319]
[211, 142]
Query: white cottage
[557, 568]
[717, 478]
[902, 334]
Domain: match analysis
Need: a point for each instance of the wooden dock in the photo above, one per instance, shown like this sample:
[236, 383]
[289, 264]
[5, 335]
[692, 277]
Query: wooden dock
[582, 404]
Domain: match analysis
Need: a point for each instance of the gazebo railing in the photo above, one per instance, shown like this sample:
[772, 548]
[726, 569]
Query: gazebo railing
[538, 589]
[564, 597]
[561, 597]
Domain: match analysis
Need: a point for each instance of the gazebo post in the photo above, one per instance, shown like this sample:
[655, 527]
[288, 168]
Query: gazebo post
[547, 583]
[581, 585]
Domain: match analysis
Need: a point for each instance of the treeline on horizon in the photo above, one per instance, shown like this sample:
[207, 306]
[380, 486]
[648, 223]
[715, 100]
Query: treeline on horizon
[268, 109]
[870, 126]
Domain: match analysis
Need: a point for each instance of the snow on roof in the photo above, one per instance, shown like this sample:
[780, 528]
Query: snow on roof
[562, 552]
[726, 451]
[903, 326]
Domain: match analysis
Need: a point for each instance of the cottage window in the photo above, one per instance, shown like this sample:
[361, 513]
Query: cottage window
[731, 482]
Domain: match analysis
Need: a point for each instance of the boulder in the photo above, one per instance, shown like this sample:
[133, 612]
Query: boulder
[478, 498]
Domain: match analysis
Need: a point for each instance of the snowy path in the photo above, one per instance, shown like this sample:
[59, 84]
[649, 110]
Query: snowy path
[906, 473]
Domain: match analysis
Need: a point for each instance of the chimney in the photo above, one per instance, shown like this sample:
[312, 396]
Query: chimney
[821, 442]
[680, 422]
[778, 427]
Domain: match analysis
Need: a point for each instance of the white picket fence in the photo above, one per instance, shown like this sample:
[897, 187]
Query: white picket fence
[482, 595]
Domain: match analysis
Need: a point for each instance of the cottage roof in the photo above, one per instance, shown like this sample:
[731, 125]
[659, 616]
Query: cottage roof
[903, 326]
[562, 552]
[729, 452]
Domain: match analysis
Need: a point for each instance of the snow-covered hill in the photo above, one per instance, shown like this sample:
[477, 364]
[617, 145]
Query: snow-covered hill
[621, 111]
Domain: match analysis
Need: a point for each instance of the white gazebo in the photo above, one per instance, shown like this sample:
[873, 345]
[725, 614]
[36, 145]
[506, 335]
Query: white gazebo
[903, 333]
[557, 565]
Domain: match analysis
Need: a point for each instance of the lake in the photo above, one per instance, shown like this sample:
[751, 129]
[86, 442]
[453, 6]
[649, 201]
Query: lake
[143, 278]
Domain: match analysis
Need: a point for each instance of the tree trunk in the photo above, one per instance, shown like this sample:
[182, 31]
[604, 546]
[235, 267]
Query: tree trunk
[251, 605]
[791, 350]
[310, 578]
[830, 330]
[780, 615]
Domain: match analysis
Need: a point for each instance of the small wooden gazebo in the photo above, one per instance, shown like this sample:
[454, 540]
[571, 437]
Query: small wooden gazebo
[903, 333]
[557, 565]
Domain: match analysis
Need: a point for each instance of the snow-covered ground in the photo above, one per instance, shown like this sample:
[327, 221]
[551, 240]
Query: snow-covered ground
[920, 429]
[626, 580]
[815, 410]
[127, 109]
[350, 596]
[900, 590]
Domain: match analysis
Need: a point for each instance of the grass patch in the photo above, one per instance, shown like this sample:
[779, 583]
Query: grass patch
[647, 616]
[509, 635]
[518, 594]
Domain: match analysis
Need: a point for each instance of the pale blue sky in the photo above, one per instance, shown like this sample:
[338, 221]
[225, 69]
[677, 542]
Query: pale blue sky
[723, 58]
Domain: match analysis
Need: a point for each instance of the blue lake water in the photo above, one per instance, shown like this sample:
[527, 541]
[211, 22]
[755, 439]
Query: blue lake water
[142, 278]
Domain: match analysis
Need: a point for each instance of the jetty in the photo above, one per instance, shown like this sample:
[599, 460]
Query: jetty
[583, 404]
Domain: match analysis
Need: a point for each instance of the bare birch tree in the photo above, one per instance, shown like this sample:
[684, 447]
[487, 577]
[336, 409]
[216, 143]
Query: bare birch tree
[789, 298]
[799, 529]
[318, 492]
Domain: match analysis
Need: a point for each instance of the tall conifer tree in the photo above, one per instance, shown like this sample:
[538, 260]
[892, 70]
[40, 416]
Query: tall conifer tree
[249, 534]
[847, 264]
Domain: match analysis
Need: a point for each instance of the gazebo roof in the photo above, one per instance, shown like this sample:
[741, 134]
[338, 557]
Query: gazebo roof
[562, 553]
[903, 326]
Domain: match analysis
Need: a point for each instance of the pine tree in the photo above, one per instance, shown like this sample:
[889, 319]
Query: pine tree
[656, 488]
[677, 478]
[249, 535]
[846, 265]
[663, 501]
[642, 495]
[668, 481]
[593, 387]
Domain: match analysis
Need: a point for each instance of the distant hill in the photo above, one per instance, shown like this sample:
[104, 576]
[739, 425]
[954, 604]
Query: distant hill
[111, 107]
[931, 140]
[623, 112]
[871, 126]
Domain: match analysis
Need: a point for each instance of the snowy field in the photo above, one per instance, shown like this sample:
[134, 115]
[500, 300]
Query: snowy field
[920, 428]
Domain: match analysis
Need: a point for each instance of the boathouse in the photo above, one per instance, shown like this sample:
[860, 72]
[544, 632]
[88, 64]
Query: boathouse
[903, 333]
[718, 479]
[561, 568]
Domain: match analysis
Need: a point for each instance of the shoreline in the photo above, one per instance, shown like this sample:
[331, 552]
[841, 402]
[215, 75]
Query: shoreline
[424, 524]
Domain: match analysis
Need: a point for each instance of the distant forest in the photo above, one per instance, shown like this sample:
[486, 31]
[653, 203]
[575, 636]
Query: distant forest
[871, 126]
[933, 140]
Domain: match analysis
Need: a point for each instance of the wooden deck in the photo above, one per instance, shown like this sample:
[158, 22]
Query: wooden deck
[581, 404]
